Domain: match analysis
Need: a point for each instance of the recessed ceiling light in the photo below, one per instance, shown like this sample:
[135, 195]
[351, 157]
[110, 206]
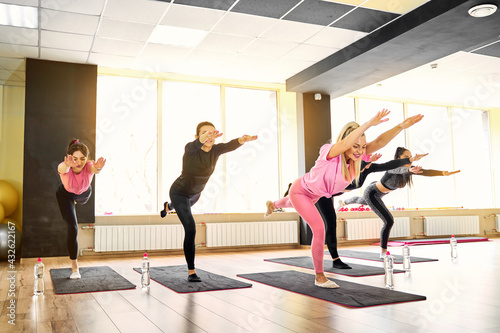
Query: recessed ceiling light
[168, 35]
[19, 16]
[482, 10]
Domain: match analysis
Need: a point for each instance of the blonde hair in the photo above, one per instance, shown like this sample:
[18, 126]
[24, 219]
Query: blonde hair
[355, 170]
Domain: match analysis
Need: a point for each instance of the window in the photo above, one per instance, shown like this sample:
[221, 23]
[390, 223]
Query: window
[127, 137]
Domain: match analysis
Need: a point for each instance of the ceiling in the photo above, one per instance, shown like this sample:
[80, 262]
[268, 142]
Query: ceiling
[333, 47]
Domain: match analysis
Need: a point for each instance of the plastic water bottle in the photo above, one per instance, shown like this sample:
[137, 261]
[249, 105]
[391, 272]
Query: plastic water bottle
[145, 271]
[39, 270]
[406, 258]
[453, 244]
[389, 269]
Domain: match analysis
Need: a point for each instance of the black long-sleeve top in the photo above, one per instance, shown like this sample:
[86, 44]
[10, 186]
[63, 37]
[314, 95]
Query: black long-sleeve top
[198, 165]
[398, 178]
[376, 167]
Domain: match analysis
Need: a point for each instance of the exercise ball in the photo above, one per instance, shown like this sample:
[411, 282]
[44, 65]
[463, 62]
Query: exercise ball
[2, 212]
[8, 197]
[10, 239]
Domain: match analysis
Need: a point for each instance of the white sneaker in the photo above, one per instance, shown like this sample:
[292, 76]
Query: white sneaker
[328, 284]
[75, 275]
[340, 204]
[383, 255]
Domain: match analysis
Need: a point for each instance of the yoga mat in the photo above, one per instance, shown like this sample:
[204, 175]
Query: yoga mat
[175, 278]
[398, 259]
[357, 269]
[431, 241]
[101, 278]
[349, 294]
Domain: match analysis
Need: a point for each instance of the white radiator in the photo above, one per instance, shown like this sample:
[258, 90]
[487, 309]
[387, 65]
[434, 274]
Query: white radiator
[138, 237]
[370, 228]
[451, 225]
[497, 223]
[252, 233]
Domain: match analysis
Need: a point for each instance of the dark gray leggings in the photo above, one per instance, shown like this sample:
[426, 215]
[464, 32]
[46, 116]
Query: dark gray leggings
[182, 204]
[66, 201]
[373, 198]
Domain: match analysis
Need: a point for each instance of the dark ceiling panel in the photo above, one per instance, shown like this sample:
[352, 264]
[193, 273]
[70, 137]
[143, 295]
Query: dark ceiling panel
[218, 4]
[365, 20]
[318, 12]
[492, 50]
[430, 32]
[267, 8]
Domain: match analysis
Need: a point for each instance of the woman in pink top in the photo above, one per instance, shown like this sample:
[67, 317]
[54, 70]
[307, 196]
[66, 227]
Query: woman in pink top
[336, 167]
[76, 173]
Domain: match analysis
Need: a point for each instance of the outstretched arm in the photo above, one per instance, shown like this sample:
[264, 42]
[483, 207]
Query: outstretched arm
[247, 138]
[434, 173]
[63, 167]
[97, 166]
[384, 138]
[351, 139]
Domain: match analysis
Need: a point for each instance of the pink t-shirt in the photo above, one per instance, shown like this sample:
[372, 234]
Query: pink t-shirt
[325, 177]
[77, 183]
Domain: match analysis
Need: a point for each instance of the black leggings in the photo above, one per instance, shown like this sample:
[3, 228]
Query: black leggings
[66, 201]
[373, 198]
[327, 212]
[182, 204]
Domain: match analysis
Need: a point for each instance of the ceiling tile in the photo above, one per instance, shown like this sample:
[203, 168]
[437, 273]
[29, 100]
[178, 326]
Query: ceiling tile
[133, 31]
[32, 3]
[335, 37]
[160, 52]
[13, 64]
[63, 55]
[318, 12]
[17, 51]
[219, 4]
[88, 7]
[69, 22]
[365, 20]
[243, 25]
[269, 48]
[274, 9]
[60, 40]
[117, 47]
[108, 60]
[224, 43]
[143, 11]
[291, 31]
[394, 6]
[309, 53]
[191, 17]
[208, 58]
[490, 50]
[18, 36]
[291, 65]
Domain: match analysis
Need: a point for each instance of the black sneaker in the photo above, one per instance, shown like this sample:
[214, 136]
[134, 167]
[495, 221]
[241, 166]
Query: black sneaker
[163, 213]
[194, 278]
[340, 265]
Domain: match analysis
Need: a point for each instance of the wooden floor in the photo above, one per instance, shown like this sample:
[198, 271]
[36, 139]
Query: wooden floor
[461, 297]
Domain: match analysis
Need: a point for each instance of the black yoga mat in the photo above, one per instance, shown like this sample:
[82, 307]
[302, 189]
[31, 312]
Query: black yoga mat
[375, 256]
[101, 278]
[175, 278]
[349, 294]
[357, 269]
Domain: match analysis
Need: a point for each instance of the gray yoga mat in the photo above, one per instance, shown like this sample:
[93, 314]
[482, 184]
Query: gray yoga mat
[356, 270]
[375, 256]
[100, 278]
[175, 278]
[348, 294]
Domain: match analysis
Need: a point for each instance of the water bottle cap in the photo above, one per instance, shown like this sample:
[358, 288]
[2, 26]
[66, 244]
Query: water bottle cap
[406, 243]
[388, 253]
[39, 259]
[145, 254]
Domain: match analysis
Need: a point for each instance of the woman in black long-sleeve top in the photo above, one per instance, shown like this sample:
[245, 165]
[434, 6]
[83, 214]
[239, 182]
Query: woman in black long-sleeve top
[198, 164]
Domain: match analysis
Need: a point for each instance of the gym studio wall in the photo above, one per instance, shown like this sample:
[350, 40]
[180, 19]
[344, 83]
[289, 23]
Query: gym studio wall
[60, 105]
